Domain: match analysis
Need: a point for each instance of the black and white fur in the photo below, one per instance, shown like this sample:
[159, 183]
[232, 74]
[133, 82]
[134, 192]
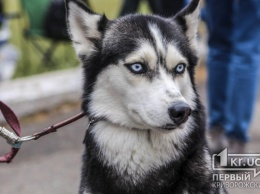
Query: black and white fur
[131, 149]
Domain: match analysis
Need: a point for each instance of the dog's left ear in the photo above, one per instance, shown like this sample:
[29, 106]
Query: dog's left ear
[85, 27]
[189, 19]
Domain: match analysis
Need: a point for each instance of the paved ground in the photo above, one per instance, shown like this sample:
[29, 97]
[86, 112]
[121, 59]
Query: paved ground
[52, 164]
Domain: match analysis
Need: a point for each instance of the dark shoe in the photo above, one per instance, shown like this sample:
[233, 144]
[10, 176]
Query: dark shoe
[217, 140]
[236, 147]
[241, 156]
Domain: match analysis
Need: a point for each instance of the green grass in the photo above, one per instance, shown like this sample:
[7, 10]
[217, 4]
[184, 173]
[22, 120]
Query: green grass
[30, 61]
[112, 7]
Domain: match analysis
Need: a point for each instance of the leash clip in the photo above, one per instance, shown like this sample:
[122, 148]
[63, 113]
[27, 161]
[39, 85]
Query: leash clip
[15, 139]
[10, 137]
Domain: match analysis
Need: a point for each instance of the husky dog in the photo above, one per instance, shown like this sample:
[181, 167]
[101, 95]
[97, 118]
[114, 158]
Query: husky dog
[147, 124]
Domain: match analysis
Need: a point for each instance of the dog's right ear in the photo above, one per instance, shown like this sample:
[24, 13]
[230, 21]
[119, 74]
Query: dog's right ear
[85, 27]
[189, 19]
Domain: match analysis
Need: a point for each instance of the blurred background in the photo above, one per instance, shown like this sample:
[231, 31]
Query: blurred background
[34, 42]
[40, 78]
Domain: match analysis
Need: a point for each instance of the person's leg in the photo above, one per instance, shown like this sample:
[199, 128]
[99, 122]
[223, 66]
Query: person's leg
[218, 16]
[220, 27]
[245, 68]
[129, 6]
[155, 6]
[171, 7]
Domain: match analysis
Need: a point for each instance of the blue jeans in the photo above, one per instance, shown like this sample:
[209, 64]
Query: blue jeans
[233, 64]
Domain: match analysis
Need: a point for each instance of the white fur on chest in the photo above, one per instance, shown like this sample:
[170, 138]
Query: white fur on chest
[137, 152]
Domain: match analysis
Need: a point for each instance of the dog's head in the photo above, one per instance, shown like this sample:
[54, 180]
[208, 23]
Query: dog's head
[138, 69]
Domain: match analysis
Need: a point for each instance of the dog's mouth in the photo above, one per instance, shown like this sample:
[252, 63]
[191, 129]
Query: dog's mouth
[173, 126]
[169, 126]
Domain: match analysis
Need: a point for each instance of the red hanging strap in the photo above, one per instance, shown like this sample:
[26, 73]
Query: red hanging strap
[13, 122]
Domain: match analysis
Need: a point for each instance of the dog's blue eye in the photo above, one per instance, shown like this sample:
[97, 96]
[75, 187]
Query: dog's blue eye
[137, 68]
[180, 68]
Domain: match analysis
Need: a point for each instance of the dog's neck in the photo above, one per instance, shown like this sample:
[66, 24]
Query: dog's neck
[135, 152]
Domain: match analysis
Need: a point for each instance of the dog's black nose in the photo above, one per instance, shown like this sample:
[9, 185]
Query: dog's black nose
[179, 112]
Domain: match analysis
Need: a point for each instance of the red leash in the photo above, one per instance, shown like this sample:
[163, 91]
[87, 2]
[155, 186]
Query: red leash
[15, 139]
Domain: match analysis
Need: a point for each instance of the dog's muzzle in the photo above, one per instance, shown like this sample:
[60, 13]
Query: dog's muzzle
[179, 112]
